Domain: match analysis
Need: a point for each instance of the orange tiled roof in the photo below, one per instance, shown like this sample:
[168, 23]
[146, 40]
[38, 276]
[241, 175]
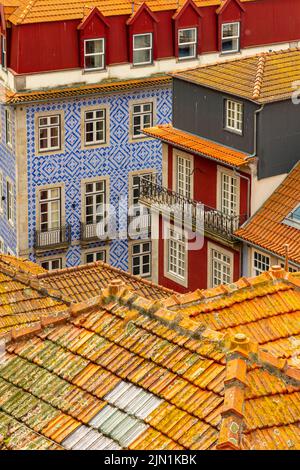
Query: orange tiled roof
[124, 372]
[10, 97]
[37, 11]
[265, 308]
[262, 78]
[23, 299]
[167, 133]
[84, 282]
[267, 228]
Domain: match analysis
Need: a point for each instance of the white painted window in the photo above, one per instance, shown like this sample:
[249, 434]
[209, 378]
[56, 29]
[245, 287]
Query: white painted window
[94, 54]
[142, 49]
[49, 133]
[291, 269]
[95, 199]
[229, 194]
[10, 197]
[95, 256]
[142, 118]
[95, 127]
[10, 252]
[141, 259]
[187, 43]
[221, 268]
[136, 181]
[1, 245]
[230, 37]
[176, 254]
[50, 209]
[8, 126]
[1, 192]
[3, 52]
[183, 176]
[261, 263]
[52, 264]
[234, 116]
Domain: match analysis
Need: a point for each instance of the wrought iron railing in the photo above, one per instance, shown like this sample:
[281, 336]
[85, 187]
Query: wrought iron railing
[53, 238]
[139, 226]
[214, 220]
[94, 231]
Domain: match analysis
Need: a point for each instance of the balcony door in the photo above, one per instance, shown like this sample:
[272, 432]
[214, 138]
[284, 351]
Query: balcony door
[95, 200]
[50, 216]
[229, 194]
[184, 176]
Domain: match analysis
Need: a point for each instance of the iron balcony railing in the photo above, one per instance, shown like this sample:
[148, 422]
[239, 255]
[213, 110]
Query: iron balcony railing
[53, 238]
[139, 226]
[90, 232]
[214, 221]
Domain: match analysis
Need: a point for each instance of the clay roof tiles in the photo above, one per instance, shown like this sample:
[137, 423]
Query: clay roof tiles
[123, 371]
[37, 11]
[268, 229]
[167, 133]
[263, 78]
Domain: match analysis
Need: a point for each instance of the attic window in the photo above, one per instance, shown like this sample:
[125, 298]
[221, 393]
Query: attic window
[293, 218]
[142, 49]
[230, 37]
[94, 54]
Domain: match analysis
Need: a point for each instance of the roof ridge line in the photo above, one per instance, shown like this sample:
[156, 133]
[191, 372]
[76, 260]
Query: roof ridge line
[259, 76]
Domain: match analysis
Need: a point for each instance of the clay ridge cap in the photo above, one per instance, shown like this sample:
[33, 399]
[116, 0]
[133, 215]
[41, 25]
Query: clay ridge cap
[259, 76]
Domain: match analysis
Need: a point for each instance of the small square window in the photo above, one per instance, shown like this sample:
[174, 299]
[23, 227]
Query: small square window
[49, 128]
[142, 118]
[261, 263]
[141, 259]
[95, 127]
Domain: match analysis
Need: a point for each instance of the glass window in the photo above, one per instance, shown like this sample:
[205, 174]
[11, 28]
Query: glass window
[142, 49]
[229, 194]
[52, 264]
[95, 199]
[1, 245]
[95, 256]
[230, 37]
[1, 192]
[187, 43]
[176, 254]
[183, 172]
[94, 54]
[142, 118]
[234, 116]
[221, 268]
[3, 52]
[49, 133]
[95, 127]
[141, 259]
[10, 201]
[50, 209]
[261, 263]
[8, 127]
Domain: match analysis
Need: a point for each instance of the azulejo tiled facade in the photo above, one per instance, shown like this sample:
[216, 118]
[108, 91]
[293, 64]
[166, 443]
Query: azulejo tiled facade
[74, 163]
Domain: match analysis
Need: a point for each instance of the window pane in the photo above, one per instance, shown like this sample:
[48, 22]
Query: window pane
[142, 56]
[94, 47]
[187, 35]
[142, 41]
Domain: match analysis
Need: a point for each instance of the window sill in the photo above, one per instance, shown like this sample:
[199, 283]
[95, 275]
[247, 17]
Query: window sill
[232, 131]
[91, 71]
[230, 53]
[178, 280]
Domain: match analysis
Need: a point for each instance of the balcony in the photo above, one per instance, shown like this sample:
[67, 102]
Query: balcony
[139, 226]
[52, 239]
[93, 232]
[214, 222]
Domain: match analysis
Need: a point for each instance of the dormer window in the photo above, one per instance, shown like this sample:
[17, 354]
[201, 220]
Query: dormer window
[142, 49]
[230, 37]
[293, 219]
[187, 43]
[94, 54]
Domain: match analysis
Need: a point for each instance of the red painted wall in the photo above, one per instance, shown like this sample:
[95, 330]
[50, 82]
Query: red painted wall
[205, 191]
[56, 45]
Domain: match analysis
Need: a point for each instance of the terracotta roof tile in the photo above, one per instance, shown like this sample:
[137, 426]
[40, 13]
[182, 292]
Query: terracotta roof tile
[263, 78]
[167, 133]
[267, 227]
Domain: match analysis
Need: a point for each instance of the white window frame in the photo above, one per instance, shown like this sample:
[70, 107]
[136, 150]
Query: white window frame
[139, 257]
[212, 250]
[97, 215]
[234, 116]
[237, 37]
[9, 251]
[1, 193]
[2, 246]
[259, 263]
[223, 172]
[147, 48]
[176, 243]
[191, 43]
[94, 120]
[141, 114]
[50, 262]
[49, 201]
[10, 201]
[49, 126]
[3, 52]
[8, 127]
[184, 175]
[95, 254]
[94, 54]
